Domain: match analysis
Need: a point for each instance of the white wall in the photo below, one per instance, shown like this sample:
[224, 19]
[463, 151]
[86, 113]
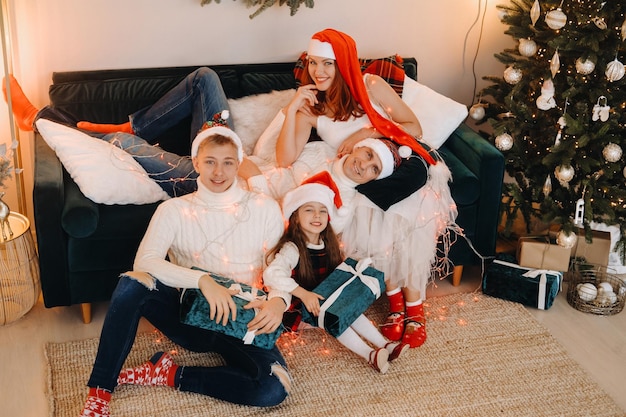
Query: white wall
[63, 35]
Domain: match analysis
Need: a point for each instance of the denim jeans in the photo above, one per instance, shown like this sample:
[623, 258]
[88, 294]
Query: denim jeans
[175, 174]
[246, 378]
[199, 95]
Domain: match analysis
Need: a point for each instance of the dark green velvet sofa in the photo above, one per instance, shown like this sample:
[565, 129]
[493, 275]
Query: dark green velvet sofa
[83, 246]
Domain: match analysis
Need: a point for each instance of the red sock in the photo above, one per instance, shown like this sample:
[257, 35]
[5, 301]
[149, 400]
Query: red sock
[160, 370]
[97, 403]
[393, 328]
[415, 331]
[106, 128]
[23, 110]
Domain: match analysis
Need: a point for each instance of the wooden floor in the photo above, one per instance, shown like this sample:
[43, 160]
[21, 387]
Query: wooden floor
[598, 343]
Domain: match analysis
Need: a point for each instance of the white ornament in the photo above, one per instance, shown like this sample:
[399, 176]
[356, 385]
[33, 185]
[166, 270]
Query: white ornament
[535, 12]
[599, 22]
[555, 63]
[624, 172]
[547, 186]
[585, 67]
[512, 75]
[587, 292]
[527, 47]
[546, 100]
[612, 152]
[580, 212]
[615, 70]
[556, 19]
[477, 111]
[566, 240]
[504, 142]
[605, 286]
[601, 110]
[611, 297]
[564, 173]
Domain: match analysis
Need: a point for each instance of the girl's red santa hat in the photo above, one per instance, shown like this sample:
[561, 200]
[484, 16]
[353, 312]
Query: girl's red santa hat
[319, 188]
[217, 126]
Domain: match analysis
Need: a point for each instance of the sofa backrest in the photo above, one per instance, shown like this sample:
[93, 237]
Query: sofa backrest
[109, 96]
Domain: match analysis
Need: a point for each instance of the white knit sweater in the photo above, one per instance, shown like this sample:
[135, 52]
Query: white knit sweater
[226, 233]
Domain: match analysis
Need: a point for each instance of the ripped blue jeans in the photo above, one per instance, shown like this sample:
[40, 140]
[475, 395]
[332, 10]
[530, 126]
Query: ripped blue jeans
[247, 377]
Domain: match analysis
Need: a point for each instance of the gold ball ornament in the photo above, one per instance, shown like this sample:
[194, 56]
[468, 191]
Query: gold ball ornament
[585, 67]
[527, 47]
[477, 111]
[615, 70]
[624, 172]
[612, 152]
[512, 75]
[556, 19]
[566, 240]
[564, 173]
[504, 142]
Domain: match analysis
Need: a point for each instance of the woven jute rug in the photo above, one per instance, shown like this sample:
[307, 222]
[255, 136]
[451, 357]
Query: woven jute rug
[483, 357]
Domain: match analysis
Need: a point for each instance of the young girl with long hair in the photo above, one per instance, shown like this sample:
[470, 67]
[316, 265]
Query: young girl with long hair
[308, 252]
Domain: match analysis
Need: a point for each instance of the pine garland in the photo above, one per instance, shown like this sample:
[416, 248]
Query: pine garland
[293, 5]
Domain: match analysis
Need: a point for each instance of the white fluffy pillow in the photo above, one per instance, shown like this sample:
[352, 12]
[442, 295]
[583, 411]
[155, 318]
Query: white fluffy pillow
[438, 114]
[103, 172]
[251, 115]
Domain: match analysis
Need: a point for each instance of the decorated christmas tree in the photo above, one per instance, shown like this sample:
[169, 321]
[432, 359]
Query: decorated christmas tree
[557, 113]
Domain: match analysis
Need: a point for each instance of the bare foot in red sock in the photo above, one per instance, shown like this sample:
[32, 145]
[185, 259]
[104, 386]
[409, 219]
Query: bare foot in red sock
[393, 328]
[97, 403]
[105, 128]
[160, 370]
[415, 327]
[23, 110]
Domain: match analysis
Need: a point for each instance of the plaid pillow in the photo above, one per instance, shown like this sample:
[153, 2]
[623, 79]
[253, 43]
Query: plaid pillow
[388, 68]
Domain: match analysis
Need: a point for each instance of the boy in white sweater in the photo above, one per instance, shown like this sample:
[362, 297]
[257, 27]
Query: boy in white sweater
[221, 228]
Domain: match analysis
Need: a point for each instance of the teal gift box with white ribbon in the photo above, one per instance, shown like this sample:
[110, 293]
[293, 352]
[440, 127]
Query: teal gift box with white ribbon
[195, 311]
[348, 291]
[532, 287]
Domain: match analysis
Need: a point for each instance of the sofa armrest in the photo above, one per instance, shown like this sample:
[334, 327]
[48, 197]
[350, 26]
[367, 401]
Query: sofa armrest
[48, 201]
[487, 163]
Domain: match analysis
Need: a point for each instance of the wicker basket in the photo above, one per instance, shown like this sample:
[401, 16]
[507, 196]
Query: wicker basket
[581, 273]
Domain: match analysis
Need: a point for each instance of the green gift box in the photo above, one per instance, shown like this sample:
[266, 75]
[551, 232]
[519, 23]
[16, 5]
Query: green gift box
[505, 279]
[195, 311]
[348, 291]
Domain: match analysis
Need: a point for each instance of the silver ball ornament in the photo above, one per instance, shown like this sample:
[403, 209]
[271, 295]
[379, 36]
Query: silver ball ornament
[564, 173]
[512, 75]
[477, 111]
[614, 71]
[585, 67]
[527, 47]
[504, 142]
[566, 240]
[556, 19]
[612, 152]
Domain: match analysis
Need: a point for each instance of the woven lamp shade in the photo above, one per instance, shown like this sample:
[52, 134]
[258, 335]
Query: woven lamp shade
[19, 271]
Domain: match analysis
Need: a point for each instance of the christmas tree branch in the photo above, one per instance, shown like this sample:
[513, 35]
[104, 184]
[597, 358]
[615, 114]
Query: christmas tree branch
[293, 5]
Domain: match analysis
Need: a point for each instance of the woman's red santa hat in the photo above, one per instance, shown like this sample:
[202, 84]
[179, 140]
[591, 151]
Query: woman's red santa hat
[319, 188]
[332, 44]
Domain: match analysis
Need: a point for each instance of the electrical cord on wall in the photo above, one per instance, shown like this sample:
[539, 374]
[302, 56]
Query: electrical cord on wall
[481, 10]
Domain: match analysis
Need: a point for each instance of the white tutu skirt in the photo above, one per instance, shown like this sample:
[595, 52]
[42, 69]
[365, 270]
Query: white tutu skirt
[403, 241]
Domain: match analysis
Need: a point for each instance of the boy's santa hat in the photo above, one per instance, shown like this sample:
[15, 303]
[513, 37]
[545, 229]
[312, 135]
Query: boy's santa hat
[217, 126]
[319, 188]
[387, 151]
[343, 49]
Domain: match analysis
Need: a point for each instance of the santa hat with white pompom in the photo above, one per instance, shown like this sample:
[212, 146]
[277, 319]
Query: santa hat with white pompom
[319, 188]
